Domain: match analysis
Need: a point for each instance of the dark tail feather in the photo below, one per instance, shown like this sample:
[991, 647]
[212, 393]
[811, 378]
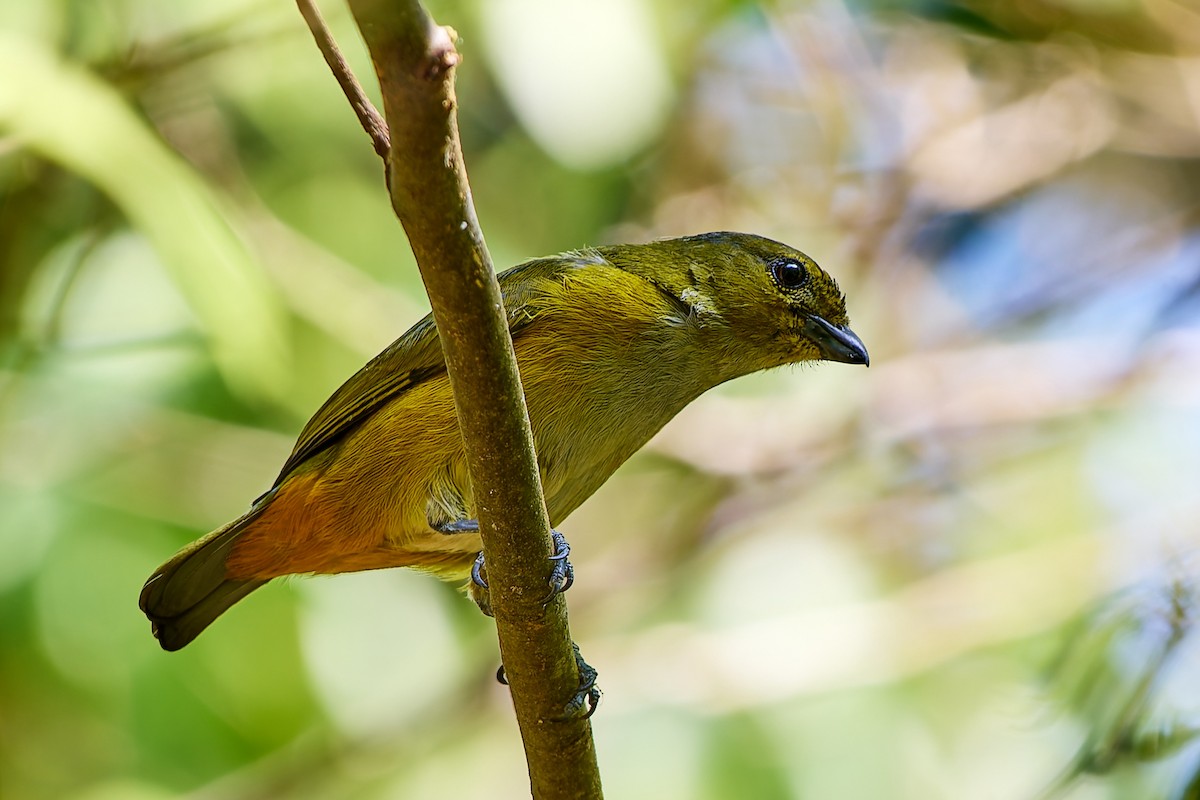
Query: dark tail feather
[187, 593]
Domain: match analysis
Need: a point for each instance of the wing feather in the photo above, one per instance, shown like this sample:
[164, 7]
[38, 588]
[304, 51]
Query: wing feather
[415, 357]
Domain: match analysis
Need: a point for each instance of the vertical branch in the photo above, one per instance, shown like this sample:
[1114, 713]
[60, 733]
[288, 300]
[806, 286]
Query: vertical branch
[414, 60]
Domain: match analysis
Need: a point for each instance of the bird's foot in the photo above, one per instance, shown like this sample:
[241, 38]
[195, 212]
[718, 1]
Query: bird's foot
[585, 701]
[562, 573]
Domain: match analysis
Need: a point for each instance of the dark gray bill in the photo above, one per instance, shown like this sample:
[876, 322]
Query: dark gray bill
[836, 342]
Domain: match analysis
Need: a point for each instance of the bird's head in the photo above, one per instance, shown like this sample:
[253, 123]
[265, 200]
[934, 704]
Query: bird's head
[775, 304]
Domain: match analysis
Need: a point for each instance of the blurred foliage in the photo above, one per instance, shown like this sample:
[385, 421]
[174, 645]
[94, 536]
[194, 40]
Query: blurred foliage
[968, 572]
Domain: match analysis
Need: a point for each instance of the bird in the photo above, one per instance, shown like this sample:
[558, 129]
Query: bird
[611, 343]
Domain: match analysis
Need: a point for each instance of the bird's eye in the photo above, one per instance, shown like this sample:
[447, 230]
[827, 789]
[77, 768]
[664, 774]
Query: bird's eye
[789, 274]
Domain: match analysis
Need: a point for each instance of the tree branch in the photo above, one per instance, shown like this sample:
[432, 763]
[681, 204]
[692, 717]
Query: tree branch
[370, 119]
[414, 60]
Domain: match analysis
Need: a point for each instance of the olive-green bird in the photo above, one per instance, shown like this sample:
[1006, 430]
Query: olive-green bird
[611, 343]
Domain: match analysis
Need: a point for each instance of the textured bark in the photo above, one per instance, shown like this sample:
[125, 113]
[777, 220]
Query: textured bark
[414, 60]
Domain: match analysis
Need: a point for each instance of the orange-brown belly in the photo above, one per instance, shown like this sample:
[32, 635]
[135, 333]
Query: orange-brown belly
[307, 528]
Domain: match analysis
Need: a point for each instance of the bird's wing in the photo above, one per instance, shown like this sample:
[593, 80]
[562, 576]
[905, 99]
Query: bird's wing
[414, 357]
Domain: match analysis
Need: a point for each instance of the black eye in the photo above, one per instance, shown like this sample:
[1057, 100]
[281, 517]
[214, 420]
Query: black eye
[789, 274]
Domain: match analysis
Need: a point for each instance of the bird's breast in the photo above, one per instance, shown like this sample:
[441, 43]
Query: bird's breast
[595, 400]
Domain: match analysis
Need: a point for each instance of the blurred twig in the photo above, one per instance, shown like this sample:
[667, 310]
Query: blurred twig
[1127, 737]
[27, 347]
[145, 63]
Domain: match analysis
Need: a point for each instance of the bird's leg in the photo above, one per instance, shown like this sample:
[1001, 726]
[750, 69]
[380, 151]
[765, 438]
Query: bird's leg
[562, 574]
[457, 526]
[478, 587]
[585, 701]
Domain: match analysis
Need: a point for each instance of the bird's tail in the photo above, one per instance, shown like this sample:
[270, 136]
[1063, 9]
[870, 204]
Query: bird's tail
[187, 593]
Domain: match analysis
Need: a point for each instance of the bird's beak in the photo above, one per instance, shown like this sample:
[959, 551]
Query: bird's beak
[837, 343]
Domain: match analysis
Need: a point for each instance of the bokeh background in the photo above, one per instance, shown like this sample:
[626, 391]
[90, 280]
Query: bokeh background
[967, 572]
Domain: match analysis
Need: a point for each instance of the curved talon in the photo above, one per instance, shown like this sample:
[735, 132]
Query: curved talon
[562, 576]
[477, 572]
[593, 700]
[560, 581]
[589, 697]
[501, 678]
